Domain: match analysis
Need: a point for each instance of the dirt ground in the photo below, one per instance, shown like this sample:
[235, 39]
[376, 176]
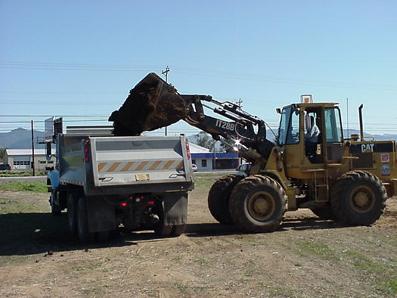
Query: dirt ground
[307, 257]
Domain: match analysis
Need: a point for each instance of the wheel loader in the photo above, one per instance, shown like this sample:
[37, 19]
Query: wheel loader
[346, 179]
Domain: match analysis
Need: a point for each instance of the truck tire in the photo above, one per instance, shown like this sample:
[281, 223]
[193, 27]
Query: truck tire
[257, 204]
[178, 230]
[71, 205]
[160, 229]
[82, 221]
[54, 203]
[218, 198]
[323, 212]
[358, 198]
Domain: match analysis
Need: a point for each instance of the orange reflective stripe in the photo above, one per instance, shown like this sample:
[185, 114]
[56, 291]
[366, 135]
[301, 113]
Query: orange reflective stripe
[114, 166]
[101, 166]
[155, 165]
[127, 166]
[141, 166]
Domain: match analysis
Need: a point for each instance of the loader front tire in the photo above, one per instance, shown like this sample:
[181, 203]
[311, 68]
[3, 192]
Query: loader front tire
[358, 198]
[218, 198]
[257, 204]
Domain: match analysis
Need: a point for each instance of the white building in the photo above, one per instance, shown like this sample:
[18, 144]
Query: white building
[208, 161]
[201, 157]
[21, 159]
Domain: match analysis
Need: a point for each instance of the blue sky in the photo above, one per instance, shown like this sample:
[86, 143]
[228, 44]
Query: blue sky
[82, 57]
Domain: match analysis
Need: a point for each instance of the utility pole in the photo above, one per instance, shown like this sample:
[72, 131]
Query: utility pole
[34, 172]
[165, 73]
[239, 102]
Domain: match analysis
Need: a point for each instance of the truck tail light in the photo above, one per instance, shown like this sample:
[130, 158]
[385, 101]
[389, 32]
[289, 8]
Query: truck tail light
[188, 151]
[87, 151]
[123, 204]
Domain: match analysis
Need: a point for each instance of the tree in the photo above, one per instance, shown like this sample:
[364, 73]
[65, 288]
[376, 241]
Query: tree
[2, 154]
[204, 140]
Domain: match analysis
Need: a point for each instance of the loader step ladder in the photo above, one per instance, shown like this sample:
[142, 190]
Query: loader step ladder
[320, 184]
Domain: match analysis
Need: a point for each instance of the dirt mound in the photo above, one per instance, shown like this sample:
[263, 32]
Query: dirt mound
[150, 105]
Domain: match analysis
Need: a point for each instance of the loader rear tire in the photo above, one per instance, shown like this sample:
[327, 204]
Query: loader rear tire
[218, 198]
[257, 204]
[358, 198]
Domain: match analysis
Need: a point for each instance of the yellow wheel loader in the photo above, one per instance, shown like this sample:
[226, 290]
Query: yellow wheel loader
[310, 164]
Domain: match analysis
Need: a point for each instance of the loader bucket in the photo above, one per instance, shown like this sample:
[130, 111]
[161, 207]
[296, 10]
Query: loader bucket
[150, 105]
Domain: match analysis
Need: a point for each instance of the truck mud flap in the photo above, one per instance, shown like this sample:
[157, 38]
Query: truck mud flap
[175, 208]
[101, 215]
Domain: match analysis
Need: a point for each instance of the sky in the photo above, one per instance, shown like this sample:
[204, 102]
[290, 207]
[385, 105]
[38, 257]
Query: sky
[79, 59]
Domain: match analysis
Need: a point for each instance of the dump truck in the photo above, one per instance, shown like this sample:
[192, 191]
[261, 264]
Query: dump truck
[106, 182]
[310, 164]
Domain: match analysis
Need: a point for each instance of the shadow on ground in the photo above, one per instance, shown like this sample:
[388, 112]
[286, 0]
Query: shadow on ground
[33, 233]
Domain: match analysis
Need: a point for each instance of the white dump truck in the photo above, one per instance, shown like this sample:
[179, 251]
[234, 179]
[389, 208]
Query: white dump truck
[106, 182]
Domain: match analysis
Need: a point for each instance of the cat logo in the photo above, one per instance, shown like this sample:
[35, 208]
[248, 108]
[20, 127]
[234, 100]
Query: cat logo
[367, 148]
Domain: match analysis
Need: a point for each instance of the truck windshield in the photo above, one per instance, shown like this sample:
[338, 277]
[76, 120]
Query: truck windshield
[283, 128]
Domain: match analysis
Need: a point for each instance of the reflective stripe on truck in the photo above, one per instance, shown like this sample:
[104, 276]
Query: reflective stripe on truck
[144, 165]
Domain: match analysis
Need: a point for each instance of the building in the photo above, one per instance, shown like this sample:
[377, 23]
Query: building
[208, 161]
[21, 159]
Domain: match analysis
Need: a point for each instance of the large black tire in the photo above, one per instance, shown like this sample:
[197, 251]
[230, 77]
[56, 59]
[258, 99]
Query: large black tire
[358, 198]
[54, 201]
[257, 204]
[323, 212]
[82, 221]
[178, 230]
[218, 198]
[163, 230]
[71, 203]
[160, 228]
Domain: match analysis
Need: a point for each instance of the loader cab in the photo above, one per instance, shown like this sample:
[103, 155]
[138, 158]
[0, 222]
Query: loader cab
[310, 135]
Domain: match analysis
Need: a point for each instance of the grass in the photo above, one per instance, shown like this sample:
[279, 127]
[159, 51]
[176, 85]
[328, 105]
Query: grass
[205, 181]
[20, 173]
[317, 249]
[37, 186]
[391, 286]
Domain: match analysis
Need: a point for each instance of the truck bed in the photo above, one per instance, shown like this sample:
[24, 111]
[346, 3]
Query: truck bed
[125, 164]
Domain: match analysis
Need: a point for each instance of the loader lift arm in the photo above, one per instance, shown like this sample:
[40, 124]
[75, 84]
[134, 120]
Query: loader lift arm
[245, 130]
[153, 103]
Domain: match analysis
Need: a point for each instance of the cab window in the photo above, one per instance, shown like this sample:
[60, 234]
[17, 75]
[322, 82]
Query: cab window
[293, 131]
[333, 125]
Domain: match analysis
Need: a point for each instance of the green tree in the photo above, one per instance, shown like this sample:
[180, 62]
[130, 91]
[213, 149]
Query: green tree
[204, 140]
[2, 154]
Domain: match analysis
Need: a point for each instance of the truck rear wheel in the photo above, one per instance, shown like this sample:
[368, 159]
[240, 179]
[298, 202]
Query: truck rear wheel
[164, 230]
[178, 230]
[257, 204]
[358, 198]
[54, 203]
[218, 198]
[71, 204]
[82, 221]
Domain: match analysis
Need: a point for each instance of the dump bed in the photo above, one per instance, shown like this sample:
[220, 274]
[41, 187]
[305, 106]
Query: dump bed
[125, 164]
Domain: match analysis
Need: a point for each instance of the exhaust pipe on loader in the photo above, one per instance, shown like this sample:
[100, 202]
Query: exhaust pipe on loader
[360, 113]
